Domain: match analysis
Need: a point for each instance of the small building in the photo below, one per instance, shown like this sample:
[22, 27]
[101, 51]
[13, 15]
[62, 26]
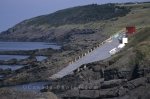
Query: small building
[121, 36]
[130, 30]
[124, 40]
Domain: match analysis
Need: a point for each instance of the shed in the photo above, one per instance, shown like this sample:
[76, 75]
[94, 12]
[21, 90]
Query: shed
[130, 29]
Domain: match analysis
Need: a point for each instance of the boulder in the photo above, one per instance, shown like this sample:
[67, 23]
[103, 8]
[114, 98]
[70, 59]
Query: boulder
[111, 74]
[89, 94]
[108, 93]
[94, 85]
[71, 93]
[113, 83]
[135, 83]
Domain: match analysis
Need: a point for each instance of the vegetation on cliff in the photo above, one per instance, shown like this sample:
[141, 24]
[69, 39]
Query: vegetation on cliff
[80, 14]
[46, 27]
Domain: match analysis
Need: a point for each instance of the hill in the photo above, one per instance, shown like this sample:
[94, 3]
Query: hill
[47, 27]
[81, 14]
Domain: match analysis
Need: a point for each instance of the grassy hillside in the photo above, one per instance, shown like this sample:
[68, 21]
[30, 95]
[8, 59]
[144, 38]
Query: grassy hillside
[136, 53]
[48, 27]
[82, 32]
[81, 14]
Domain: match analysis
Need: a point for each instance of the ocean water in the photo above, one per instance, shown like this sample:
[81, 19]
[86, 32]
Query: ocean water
[9, 46]
[31, 87]
[12, 46]
[8, 57]
[12, 67]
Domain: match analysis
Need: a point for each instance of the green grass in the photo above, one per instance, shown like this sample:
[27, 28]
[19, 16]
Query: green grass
[138, 17]
[137, 51]
[80, 14]
[142, 35]
[137, 6]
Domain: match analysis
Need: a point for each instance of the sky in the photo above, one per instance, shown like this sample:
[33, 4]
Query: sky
[15, 11]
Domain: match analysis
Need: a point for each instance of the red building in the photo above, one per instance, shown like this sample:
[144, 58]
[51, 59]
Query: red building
[130, 29]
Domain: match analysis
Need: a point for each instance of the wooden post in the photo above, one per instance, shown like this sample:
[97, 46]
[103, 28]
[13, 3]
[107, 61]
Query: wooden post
[82, 55]
[84, 67]
[79, 57]
[100, 44]
[78, 70]
[75, 59]
[72, 62]
[91, 50]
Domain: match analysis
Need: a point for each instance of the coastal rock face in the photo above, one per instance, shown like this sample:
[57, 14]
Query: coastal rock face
[110, 78]
[121, 88]
[6, 93]
[105, 89]
[102, 77]
[29, 60]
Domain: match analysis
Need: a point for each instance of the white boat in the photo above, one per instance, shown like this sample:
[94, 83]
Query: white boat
[121, 45]
[113, 51]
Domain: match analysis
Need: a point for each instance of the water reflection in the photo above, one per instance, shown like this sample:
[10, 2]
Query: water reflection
[12, 67]
[36, 86]
[9, 46]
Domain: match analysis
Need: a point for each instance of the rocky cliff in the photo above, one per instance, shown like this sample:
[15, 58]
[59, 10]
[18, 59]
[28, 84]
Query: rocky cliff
[122, 76]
